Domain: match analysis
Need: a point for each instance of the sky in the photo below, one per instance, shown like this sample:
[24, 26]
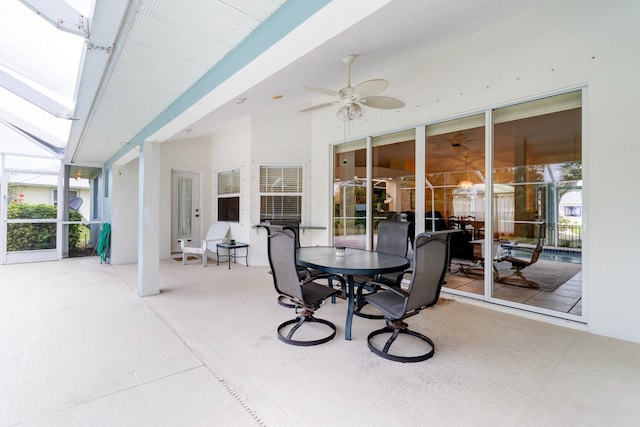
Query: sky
[37, 53]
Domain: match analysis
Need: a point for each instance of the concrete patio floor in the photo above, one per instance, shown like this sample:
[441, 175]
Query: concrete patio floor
[78, 347]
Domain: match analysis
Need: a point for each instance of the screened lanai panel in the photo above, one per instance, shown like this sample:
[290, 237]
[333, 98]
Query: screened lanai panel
[39, 52]
[40, 66]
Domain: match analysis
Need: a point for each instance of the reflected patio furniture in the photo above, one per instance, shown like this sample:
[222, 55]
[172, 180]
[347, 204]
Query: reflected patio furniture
[396, 304]
[476, 270]
[461, 254]
[434, 221]
[520, 263]
[216, 234]
[306, 294]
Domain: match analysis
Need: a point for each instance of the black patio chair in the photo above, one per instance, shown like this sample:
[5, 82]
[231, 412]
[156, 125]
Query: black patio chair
[520, 263]
[306, 294]
[396, 304]
[292, 228]
[393, 238]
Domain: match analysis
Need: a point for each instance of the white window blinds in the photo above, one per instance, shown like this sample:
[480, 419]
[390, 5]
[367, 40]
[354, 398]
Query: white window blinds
[229, 182]
[281, 192]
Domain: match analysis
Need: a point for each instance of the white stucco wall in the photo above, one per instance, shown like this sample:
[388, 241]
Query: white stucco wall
[278, 138]
[561, 45]
[124, 213]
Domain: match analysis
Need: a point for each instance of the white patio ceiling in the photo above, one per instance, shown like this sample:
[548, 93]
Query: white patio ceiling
[153, 68]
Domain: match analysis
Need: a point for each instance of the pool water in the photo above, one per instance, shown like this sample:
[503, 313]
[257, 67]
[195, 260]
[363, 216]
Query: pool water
[573, 257]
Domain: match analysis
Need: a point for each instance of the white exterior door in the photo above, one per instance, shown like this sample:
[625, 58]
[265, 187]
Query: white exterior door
[185, 209]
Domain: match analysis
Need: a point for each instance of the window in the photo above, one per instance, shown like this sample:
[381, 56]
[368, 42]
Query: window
[280, 192]
[573, 211]
[229, 195]
[72, 194]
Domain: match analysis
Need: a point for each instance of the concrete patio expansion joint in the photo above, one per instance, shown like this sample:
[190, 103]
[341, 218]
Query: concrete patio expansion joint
[213, 372]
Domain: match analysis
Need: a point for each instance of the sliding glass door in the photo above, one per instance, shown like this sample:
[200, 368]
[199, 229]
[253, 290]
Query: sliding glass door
[367, 192]
[537, 203]
[507, 181]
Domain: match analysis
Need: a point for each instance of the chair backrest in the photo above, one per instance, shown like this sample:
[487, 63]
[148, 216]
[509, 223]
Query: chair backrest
[393, 237]
[282, 260]
[217, 231]
[430, 255]
[434, 221]
[281, 224]
[216, 234]
[542, 232]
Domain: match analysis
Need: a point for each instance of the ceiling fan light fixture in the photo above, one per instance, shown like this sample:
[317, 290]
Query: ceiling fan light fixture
[351, 96]
[465, 184]
[349, 112]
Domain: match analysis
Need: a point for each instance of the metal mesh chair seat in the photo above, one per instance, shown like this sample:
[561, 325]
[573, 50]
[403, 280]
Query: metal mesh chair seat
[429, 269]
[305, 295]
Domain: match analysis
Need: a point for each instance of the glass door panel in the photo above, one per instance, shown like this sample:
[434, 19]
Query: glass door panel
[537, 204]
[455, 196]
[185, 209]
[350, 195]
[393, 174]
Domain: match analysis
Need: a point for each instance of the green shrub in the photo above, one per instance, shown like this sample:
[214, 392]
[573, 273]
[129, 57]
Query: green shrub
[23, 237]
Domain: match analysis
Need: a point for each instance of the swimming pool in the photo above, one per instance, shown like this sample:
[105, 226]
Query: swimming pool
[553, 254]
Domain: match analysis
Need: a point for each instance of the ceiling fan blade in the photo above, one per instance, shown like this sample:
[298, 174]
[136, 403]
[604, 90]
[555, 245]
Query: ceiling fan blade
[322, 90]
[383, 102]
[371, 87]
[319, 106]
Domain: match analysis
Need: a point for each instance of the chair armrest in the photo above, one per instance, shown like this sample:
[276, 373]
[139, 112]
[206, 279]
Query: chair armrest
[331, 276]
[218, 240]
[326, 276]
[396, 290]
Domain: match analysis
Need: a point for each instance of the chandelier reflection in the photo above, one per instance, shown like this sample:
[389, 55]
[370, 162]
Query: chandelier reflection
[465, 184]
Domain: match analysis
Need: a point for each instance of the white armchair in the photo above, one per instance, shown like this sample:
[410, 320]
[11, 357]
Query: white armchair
[216, 234]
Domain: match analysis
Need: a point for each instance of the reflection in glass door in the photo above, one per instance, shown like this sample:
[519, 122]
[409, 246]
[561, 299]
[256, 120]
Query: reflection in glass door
[393, 174]
[455, 196]
[537, 204]
[390, 194]
[350, 195]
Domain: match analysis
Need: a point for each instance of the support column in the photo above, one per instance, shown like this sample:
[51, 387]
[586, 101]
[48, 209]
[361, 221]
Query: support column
[149, 220]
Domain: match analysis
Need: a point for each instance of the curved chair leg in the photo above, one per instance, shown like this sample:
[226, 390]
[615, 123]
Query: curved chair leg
[361, 303]
[518, 279]
[286, 302]
[400, 328]
[299, 321]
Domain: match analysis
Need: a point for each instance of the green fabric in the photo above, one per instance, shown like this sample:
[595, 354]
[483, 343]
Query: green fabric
[104, 243]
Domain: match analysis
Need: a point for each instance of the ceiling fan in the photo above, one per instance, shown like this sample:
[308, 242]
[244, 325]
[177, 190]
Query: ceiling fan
[457, 142]
[352, 97]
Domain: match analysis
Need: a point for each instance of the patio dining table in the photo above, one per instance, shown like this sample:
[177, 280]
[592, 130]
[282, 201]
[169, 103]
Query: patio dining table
[352, 262]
